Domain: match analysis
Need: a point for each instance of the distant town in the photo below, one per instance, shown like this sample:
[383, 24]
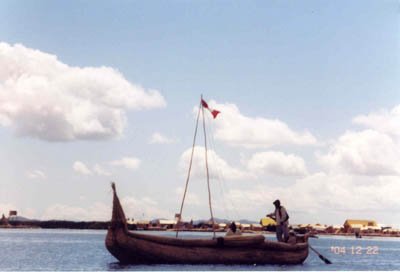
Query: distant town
[351, 227]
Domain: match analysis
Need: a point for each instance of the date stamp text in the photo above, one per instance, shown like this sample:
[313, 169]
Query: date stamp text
[355, 250]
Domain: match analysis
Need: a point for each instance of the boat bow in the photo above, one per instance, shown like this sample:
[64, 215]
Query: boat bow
[118, 220]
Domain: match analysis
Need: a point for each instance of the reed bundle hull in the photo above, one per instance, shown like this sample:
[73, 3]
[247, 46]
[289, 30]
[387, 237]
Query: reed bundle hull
[138, 248]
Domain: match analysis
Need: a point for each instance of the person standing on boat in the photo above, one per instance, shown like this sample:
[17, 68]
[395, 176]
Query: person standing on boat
[281, 217]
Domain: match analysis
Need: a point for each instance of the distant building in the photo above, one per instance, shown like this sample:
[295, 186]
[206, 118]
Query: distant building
[334, 229]
[143, 224]
[256, 227]
[137, 224]
[4, 221]
[318, 228]
[222, 226]
[12, 213]
[356, 225]
[391, 231]
[245, 226]
[163, 223]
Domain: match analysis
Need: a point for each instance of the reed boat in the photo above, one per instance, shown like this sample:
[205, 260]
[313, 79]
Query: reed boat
[131, 247]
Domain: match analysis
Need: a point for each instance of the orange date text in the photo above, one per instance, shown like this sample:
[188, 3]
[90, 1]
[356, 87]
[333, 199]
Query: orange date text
[355, 250]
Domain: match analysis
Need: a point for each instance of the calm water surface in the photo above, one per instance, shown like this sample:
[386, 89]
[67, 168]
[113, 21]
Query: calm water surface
[50, 250]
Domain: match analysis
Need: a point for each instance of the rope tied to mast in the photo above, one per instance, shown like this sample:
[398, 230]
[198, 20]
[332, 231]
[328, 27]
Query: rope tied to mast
[207, 171]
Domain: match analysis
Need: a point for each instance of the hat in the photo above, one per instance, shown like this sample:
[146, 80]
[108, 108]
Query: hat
[277, 202]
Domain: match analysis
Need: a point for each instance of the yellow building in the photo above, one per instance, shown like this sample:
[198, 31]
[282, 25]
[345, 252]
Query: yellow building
[357, 225]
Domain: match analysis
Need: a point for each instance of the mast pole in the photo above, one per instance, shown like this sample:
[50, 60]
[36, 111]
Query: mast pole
[208, 174]
[190, 168]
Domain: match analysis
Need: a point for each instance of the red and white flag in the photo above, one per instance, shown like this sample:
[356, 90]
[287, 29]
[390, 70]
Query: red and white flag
[213, 111]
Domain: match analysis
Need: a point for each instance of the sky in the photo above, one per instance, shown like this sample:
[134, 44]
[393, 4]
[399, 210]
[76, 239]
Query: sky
[94, 92]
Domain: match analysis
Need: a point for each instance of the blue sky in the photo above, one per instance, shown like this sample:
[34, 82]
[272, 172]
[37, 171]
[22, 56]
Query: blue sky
[312, 65]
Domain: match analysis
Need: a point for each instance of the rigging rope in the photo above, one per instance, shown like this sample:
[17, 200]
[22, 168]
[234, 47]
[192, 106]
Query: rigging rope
[217, 171]
[190, 168]
[223, 184]
[208, 174]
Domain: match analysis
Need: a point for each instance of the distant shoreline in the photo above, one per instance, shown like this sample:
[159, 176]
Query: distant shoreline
[103, 225]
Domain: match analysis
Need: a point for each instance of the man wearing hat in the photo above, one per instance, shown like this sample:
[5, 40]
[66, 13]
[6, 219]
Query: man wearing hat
[281, 217]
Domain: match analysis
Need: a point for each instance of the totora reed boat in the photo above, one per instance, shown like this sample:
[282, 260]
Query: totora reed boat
[138, 248]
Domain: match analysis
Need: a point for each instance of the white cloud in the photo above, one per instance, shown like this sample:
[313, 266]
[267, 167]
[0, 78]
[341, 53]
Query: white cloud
[36, 174]
[127, 162]
[236, 129]
[218, 168]
[42, 97]
[384, 121]
[143, 208]
[367, 152]
[149, 201]
[100, 171]
[315, 198]
[348, 194]
[277, 163]
[190, 198]
[158, 138]
[29, 213]
[374, 151]
[97, 211]
[81, 168]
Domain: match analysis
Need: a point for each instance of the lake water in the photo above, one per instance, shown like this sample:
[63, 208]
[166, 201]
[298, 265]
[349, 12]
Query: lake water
[23, 249]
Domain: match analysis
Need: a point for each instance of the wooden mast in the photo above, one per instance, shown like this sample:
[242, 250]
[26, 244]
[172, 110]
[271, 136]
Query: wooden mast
[189, 171]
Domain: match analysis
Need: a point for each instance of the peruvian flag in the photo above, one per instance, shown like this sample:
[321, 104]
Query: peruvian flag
[213, 111]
